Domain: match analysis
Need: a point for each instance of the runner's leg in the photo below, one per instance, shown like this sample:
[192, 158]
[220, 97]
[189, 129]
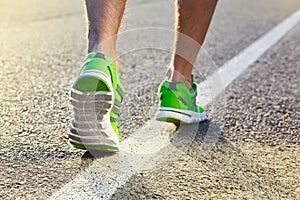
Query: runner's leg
[104, 20]
[192, 21]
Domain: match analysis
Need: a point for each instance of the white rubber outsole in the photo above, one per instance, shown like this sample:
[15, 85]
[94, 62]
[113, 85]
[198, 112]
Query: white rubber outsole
[184, 116]
[91, 122]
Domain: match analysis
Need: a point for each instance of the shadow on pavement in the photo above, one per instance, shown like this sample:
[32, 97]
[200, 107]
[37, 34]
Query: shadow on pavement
[198, 139]
[195, 140]
[88, 155]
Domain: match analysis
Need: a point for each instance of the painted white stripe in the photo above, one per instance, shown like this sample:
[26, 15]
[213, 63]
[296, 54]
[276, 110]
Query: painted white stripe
[150, 145]
[234, 67]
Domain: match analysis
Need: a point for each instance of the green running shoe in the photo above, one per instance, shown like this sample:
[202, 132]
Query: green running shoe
[178, 103]
[96, 97]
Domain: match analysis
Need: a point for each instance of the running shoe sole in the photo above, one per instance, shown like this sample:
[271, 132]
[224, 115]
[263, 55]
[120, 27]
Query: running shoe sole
[91, 128]
[178, 116]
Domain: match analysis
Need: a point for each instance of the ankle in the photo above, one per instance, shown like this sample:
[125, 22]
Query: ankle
[110, 55]
[104, 45]
[177, 77]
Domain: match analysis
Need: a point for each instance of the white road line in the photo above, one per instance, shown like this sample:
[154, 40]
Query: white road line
[234, 67]
[152, 142]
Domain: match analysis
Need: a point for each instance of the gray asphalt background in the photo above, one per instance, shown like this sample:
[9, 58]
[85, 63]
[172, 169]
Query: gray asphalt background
[42, 45]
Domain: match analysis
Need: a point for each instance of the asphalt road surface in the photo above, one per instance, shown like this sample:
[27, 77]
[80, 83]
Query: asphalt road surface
[256, 119]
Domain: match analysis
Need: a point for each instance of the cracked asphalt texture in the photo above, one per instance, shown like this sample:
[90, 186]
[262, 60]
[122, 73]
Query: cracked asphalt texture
[256, 156]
